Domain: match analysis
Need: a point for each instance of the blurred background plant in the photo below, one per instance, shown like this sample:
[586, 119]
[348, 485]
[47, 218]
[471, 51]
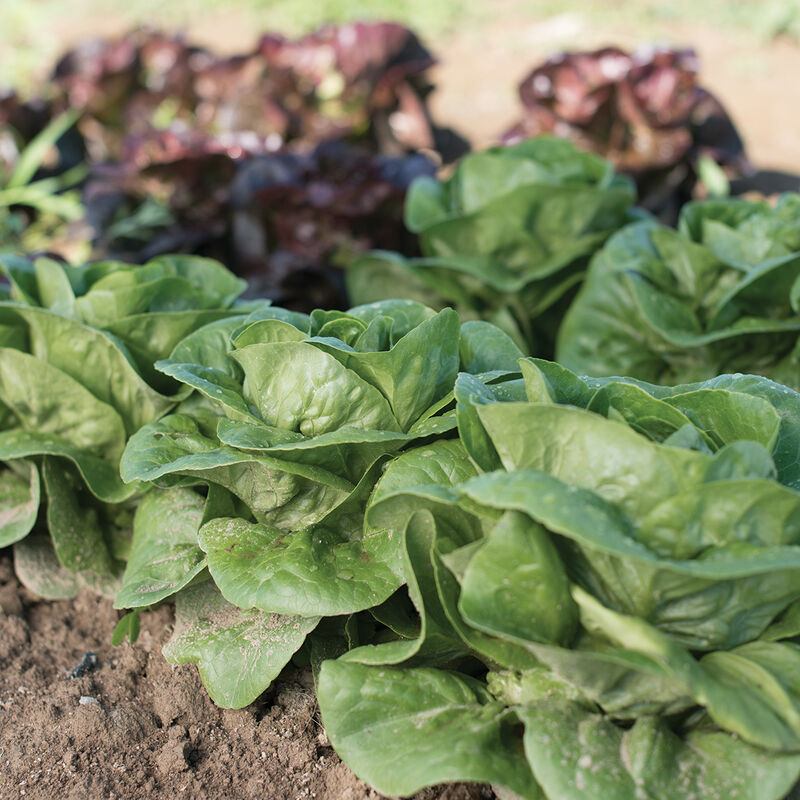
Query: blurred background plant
[287, 156]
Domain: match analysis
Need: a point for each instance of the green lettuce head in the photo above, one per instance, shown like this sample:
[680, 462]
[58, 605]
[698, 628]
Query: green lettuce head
[623, 560]
[505, 238]
[718, 295]
[76, 380]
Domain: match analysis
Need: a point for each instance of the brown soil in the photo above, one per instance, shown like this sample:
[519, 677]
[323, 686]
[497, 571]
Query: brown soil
[135, 727]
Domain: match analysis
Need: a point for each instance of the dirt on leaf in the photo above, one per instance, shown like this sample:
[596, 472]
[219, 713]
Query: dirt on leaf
[123, 724]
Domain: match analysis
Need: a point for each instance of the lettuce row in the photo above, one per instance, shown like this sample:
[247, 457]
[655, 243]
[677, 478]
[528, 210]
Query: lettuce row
[599, 569]
[499, 571]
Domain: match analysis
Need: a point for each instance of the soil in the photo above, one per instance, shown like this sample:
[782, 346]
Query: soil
[133, 726]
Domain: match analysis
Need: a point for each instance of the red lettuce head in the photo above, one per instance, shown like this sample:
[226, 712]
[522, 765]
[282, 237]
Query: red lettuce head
[644, 111]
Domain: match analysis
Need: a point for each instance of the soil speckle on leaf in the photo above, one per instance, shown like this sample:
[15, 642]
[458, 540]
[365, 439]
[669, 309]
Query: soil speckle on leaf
[153, 733]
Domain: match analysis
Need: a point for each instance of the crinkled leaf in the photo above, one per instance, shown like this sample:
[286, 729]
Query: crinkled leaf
[328, 569]
[297, 387]
[721, 600]
[418, 370]
[277, 492]
[751, 691]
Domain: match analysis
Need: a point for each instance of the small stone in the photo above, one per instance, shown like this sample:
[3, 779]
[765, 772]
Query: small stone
[86, 700]
[87, 664]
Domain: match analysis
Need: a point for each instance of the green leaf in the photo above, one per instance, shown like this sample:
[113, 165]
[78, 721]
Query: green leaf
[238, 652]
[585, 450]
[417, 372]
[36, 151]
[577, 754]
[267, 331]
[152, 336]
[515, 585]
[277, 492]
[713, 177]
[378, 275]
[167, 283]
[97, 361]
[38, 570]
[484, 347]
[402, 316]
[661, 307]
[623, 683]
[297, 387]
[47, 401]
[54, 289]
[19, 501]
[547, 382]
[656, 419]
[78, 528]
[328, 569]
[101, 477]
[716, 514]
[347, 451]
[216, 385]
[210, 347]
[423, 477]
[164, 557]
[127, 627]
[439, 727]
[730, 416]
[436, 641]
[722, 599]
[751, 691]
[205, 274]
[470, 392]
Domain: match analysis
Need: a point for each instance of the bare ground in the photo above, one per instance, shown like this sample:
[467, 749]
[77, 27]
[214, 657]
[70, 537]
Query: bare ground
[134, 727]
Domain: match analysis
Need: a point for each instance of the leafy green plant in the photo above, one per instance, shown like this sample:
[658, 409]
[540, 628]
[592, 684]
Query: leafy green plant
[604, 574]
[292, 421]
[719, 294]
[32, 209]
[601, 570]
[77, 346]
[505, 238]
[646, 112]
